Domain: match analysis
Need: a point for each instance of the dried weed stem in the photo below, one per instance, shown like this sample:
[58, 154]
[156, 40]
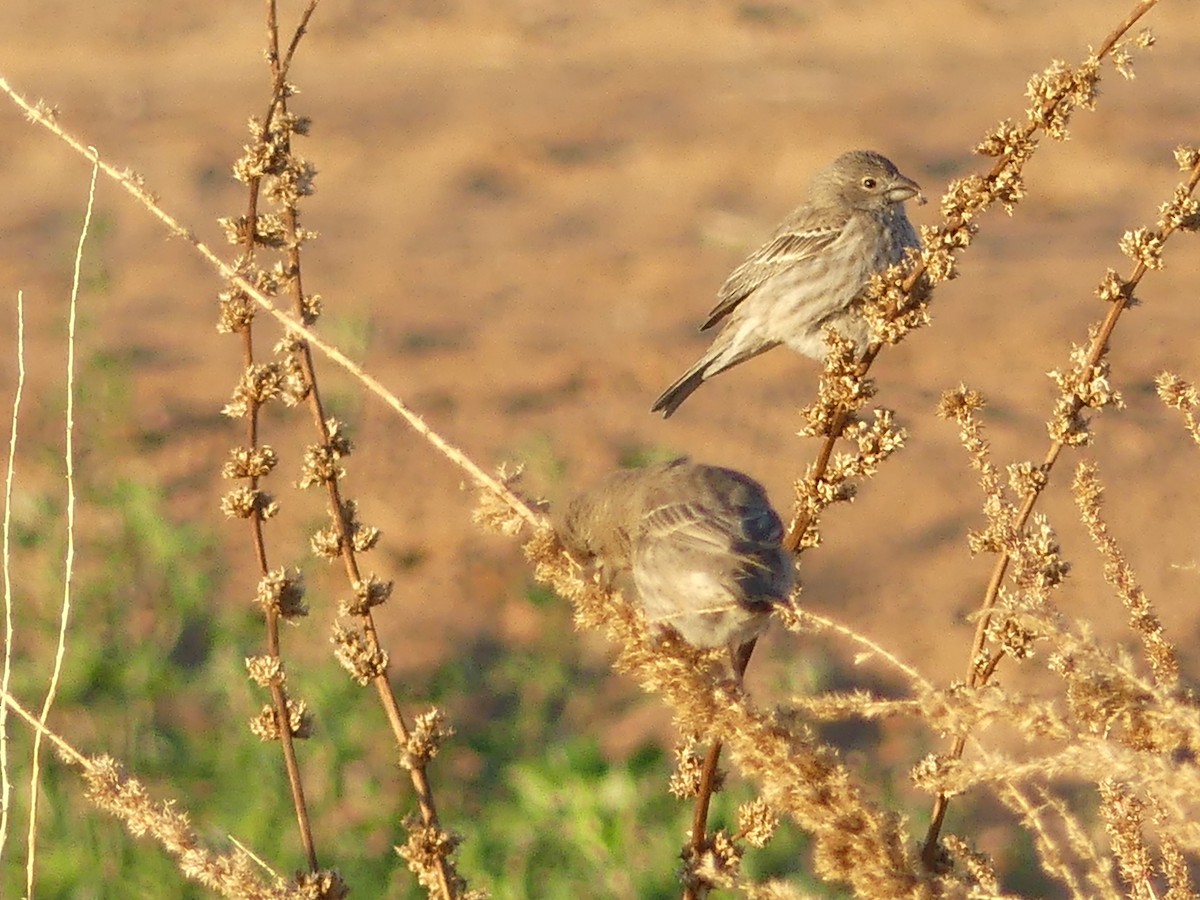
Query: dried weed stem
[270, 162]
[897, 300]
[230, 875]
[855, 842]
[1084, 386]
[6, 564]
[252, 463]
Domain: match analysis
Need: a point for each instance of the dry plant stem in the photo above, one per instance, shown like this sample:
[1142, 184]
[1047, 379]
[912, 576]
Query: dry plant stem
[699, 838]
[400, 730]
[279, 68]
[165, 823]
[796, 534]
[69, 560]
[130, 183]
[69, 753]
[854, 841]
[6, 678]
[803, 519]
[419, 779]
[278, 696]
[336, 504]
[976, 675]
[708, 780]
[739, 658]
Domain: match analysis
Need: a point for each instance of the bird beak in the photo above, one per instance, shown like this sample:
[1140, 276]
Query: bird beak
[904, 188]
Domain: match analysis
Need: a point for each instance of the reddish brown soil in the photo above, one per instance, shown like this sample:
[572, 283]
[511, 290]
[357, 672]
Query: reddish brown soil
[525, 209]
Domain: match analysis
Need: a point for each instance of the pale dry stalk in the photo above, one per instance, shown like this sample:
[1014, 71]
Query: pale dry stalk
[231, 875]
[10, 471]
[35, 778]
[1085, 387]
[259, 462]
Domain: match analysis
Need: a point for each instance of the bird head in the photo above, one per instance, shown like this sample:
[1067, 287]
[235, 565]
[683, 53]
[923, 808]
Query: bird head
[864, 180]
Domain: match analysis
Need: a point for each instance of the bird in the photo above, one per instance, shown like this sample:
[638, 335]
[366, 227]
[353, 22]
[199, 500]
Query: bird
[703, 544]
[812, 272]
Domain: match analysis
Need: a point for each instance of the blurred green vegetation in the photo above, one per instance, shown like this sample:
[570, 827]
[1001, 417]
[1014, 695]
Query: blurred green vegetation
[155, 676]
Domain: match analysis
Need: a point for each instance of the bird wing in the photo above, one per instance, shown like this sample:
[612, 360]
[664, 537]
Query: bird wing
[731, 539]
[790, 246]
[689, 524]
[691, 558]
[684, 570]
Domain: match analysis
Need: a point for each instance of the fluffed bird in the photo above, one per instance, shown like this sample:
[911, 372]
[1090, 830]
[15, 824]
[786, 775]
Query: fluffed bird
[703, 545]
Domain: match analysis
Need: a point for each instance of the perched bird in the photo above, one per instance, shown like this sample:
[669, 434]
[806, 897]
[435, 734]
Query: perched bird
[702, 543]
[810, 274]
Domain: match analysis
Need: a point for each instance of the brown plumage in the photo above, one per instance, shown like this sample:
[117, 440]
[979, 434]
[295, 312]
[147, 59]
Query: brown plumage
[811, 272]
[703, 544]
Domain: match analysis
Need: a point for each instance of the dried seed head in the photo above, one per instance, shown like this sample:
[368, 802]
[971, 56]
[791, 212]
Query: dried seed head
[244, 502]
[368, 593]
[259, 383]
[326, 884]
[265, 726]
[1182, 211]
[757, 822]
[246, 462]
[429, 730]
[426, 850]
[283, 592]
[689, 764]
[1176, 392]
[326, 542]
[265, 670]
[1143, 246]
[1112, 288]
[1187, 158]
[236, 310]
[359, 654]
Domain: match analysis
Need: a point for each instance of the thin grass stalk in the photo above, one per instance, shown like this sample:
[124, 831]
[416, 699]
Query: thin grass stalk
[60, 651]
[127, 799]
[6, 678]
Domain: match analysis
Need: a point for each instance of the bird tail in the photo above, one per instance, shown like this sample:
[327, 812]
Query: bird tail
[718, 358]
[681, 389]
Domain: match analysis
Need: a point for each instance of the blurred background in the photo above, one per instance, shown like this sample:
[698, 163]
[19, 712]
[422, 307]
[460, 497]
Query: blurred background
[525, 209]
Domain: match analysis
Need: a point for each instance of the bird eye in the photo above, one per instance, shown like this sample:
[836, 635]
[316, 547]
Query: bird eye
[869, 183]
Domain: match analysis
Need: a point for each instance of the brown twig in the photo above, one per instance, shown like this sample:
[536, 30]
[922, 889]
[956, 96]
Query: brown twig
[448, 882]
[279, 698]
[739, 659]
[955, 223]
[978, 675]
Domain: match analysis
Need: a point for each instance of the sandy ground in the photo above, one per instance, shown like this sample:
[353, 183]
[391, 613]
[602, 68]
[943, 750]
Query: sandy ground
[526, 208]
